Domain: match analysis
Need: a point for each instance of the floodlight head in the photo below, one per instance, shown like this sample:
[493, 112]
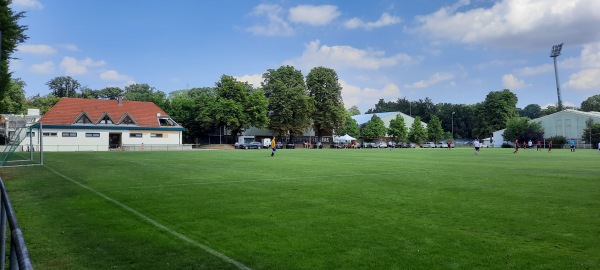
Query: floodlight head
[556, 50]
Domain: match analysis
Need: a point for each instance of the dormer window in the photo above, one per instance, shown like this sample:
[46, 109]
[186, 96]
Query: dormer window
[167, 122]
[84, 119]
[106, 120]
[127, 120]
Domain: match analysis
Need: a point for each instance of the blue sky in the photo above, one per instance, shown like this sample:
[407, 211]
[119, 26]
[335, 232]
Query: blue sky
[454, 51]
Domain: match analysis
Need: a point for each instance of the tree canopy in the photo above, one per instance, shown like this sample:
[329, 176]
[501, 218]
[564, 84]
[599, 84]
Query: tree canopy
[11, 35]
[64, 86]
[374, 128]
[397, 129]
[591, 104]
[350, 127]
[417, 132]
[495, 110]
[289, 103]
[326, 96]
[522, 129]
[434, 129]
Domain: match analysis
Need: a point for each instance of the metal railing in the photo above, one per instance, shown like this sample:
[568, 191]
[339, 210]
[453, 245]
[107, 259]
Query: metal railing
[19, 256]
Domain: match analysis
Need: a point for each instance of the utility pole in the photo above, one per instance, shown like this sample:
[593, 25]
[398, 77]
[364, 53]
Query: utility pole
[555, 53]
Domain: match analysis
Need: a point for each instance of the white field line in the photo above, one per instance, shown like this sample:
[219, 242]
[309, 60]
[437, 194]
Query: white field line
[156, 224]
[259, 180]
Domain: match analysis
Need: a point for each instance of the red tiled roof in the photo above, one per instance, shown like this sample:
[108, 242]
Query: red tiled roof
[67, 110]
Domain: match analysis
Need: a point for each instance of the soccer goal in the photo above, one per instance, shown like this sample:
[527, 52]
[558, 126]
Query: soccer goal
[24, 147]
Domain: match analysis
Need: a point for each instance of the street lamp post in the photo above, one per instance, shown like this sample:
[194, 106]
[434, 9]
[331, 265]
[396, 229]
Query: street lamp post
[453, 125]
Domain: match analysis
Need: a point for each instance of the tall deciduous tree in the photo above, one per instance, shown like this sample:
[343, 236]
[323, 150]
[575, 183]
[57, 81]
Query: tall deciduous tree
[110, 93]
[192, 109]
[374, 128]
[289, 103]
[591, 104]
[145, 92]
[522, 129]
[14, 98]
[354, 110]
[11, 35]
[238, 106]
[326, 96]
[532, 111]
[64, 86]
[434, 129]
[417, 132]
[44, 103]
[350, 127]
[591, 133]
[495, 110]
[398, 129]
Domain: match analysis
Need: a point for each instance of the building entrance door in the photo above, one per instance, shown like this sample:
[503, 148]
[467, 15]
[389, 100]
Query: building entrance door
[114, 140]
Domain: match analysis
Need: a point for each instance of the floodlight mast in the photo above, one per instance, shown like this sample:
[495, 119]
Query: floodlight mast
[555, 53]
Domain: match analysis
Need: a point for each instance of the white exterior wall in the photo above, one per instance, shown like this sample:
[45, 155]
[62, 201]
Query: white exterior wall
[101, 143]
[567, 123]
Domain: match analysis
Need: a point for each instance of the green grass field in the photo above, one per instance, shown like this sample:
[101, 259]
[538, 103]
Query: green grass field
[311, 209]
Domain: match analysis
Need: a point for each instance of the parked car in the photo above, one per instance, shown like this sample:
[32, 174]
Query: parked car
[428, 145]
[369, 145]
[381, 145]
[242, 146]
[391, 144]
[444, 145]
[290, 145]
[407, 145]
[255, 145]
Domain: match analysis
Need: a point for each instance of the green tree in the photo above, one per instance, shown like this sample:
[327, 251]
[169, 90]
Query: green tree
[495, 110]
[549, 110]
[289, 103]
[591, 132]
[350, 127]
[145, 92]
[397, 129]
[239, 106]
[44, 103]
[417, 133]
[434, 129]
[374, 128]
[11, 35]
[591, 104]
[328, 111]
[532, 111]
[87, 92]
[64, 86]
[14, 101]
[354, 111]
[192, 109]
[111, 93]
[522, 129]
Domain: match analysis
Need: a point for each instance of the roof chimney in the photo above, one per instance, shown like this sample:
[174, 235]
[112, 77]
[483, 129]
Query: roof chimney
[120, 100]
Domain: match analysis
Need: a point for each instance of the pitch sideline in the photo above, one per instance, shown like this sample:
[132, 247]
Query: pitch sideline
[155, 223]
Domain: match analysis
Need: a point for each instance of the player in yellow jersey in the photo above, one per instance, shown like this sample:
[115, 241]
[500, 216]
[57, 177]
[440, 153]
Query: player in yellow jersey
[273, 146]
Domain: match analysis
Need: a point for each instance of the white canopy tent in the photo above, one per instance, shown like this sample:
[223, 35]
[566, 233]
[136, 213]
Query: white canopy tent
[345, 138]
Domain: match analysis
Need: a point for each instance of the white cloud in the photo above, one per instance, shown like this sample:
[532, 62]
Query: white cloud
[511, 82]
[72, 66]
[36, 49]
[254, 80]
[313, 15]
[276, 25]
[29, 4]
[113, 75]
[586, 79]
[70, 47]
[385, 20]
[589, 63]
[432, 80]
[516, 23]
[367, 97]
[43, 68]
[341, 57]
[528, 71]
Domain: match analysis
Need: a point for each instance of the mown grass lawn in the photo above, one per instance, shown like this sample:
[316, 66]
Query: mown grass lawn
[311, 209]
